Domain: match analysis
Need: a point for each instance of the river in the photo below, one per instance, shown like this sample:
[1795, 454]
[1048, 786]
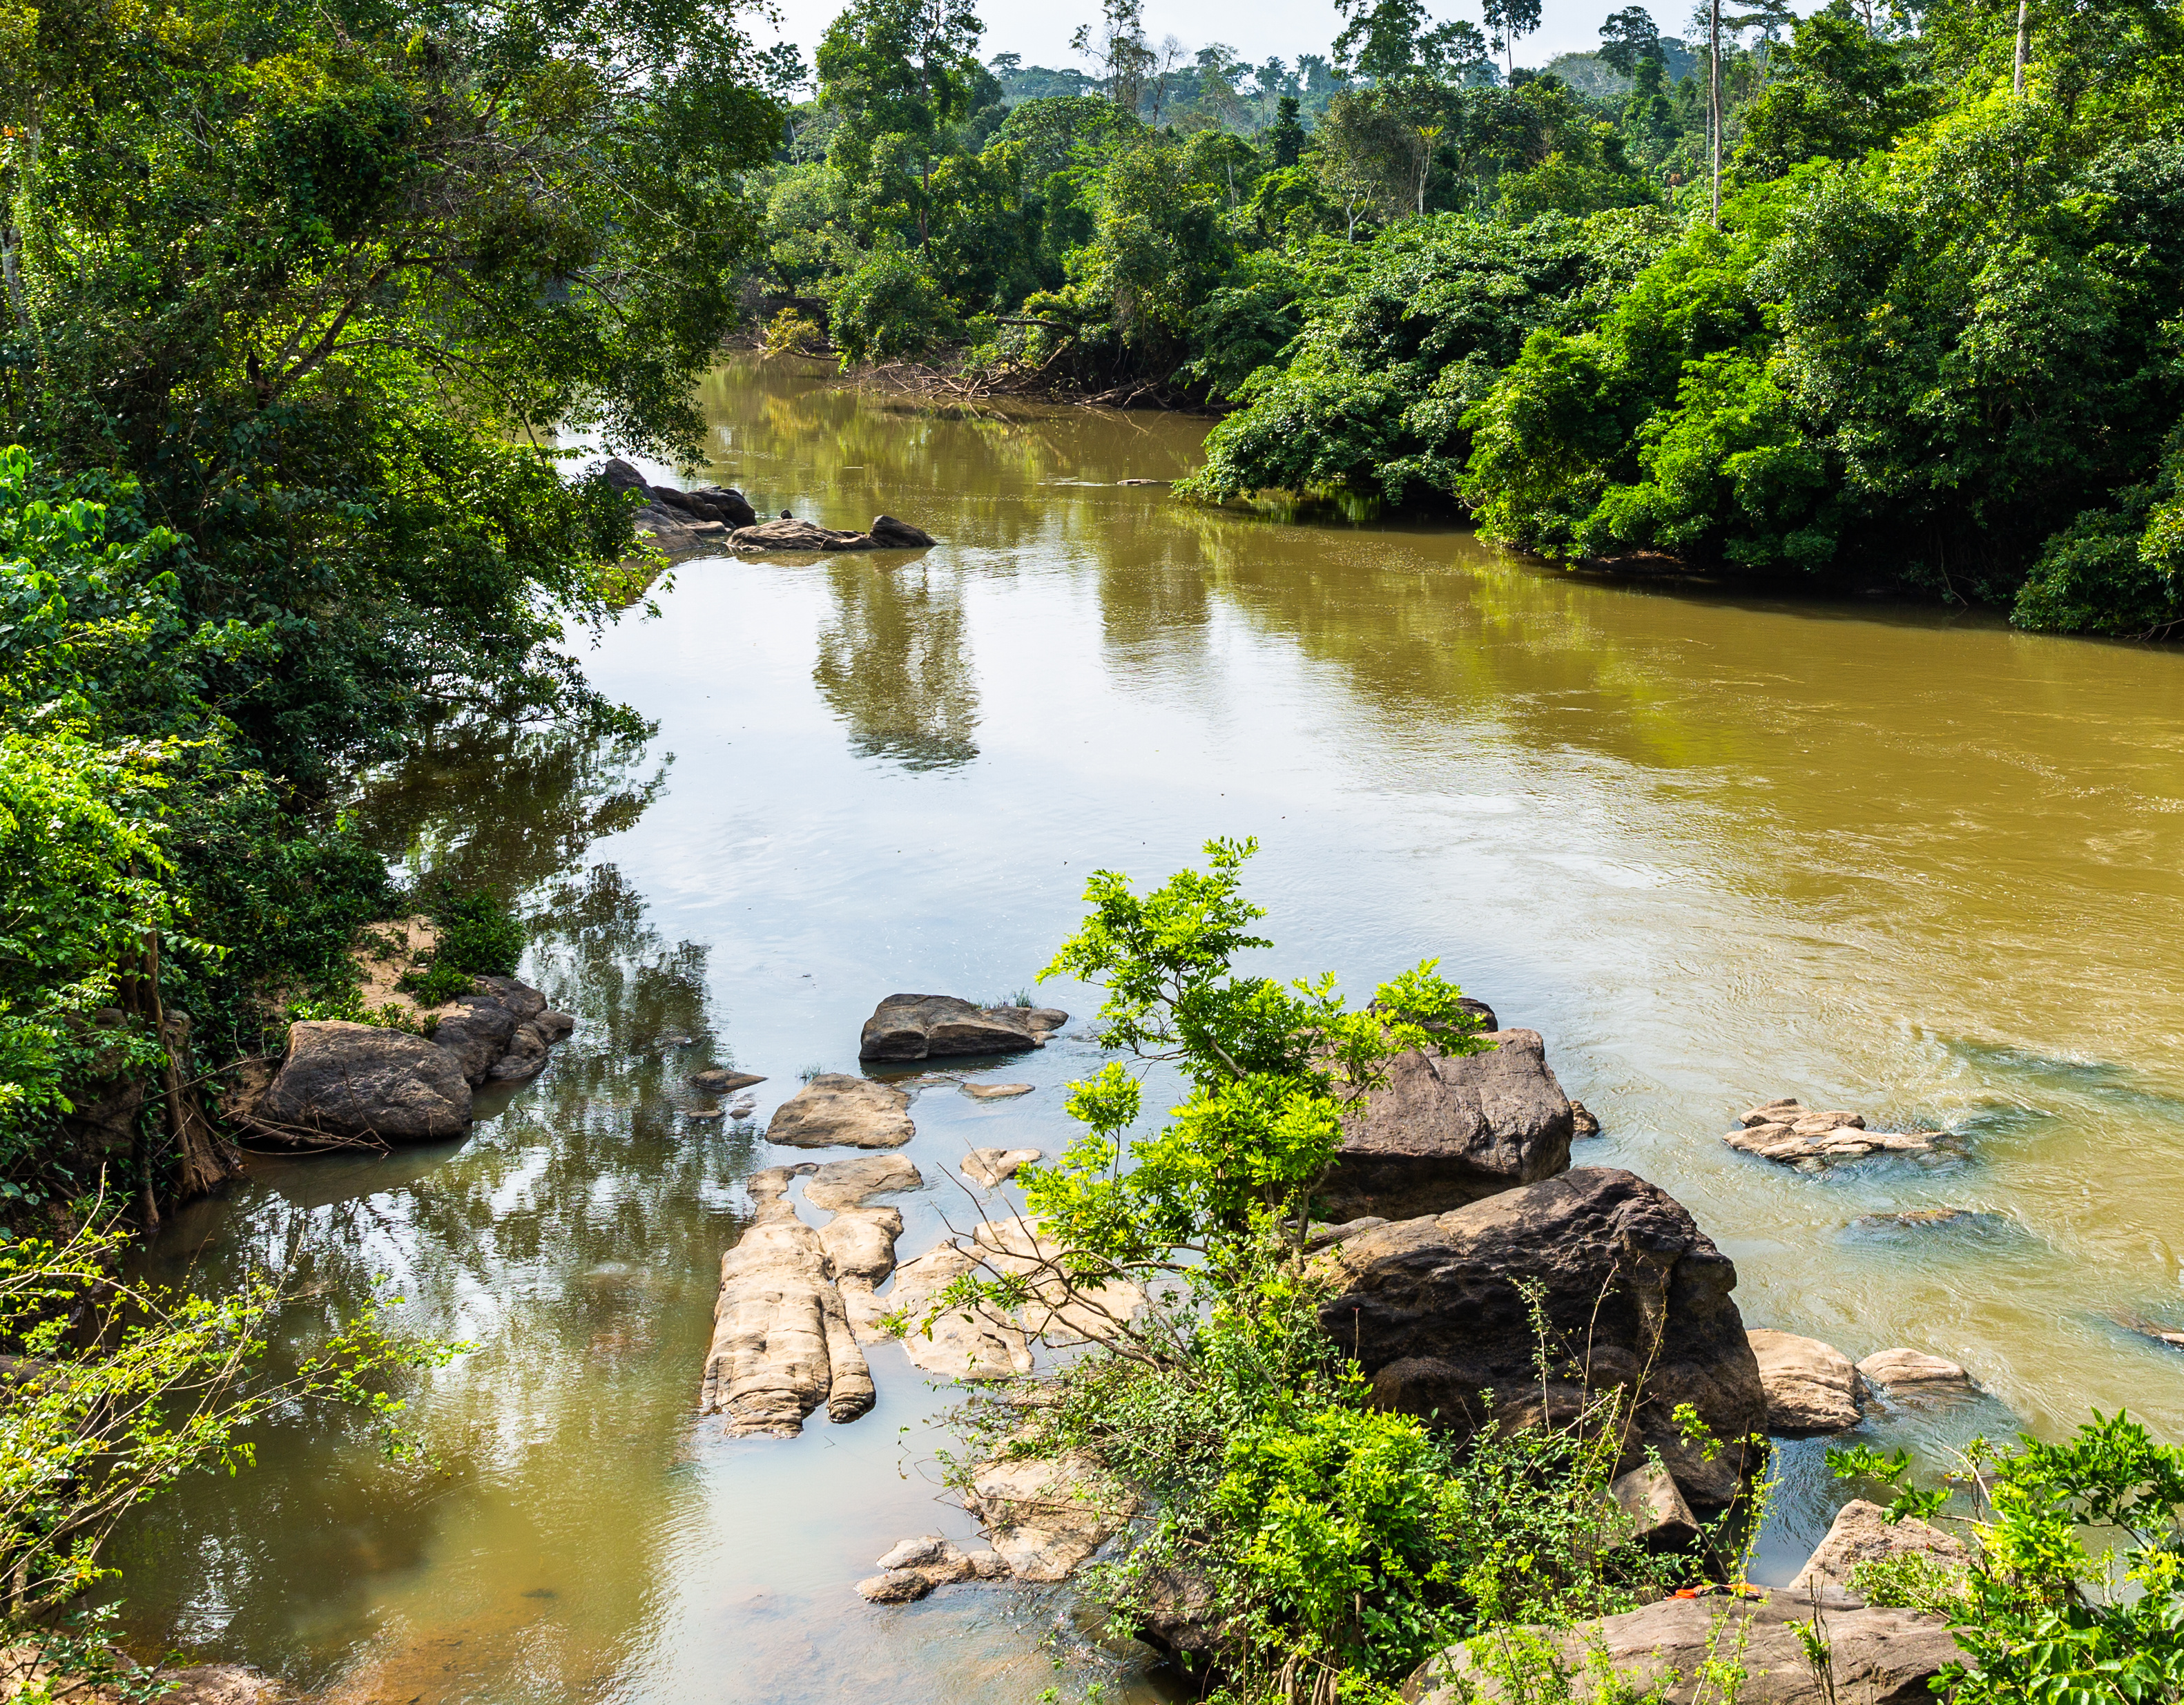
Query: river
[1716, 845]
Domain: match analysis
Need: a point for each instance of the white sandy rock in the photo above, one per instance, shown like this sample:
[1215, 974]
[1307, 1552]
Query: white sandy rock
[996, 1092]
[1909, 1374]
[1060, 1311]
[835, 1109]
[1046, 1515]
[853, 1182]
[1812, 1388]
[959, 1343]
[782, 1340]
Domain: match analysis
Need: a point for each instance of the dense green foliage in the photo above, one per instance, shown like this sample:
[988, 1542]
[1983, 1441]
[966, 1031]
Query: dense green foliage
[2042, 1621]
[1932, 342]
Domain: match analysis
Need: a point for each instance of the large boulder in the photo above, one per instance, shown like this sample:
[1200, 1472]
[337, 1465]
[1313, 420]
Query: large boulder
[781, 1340]
[1673, 1651]
[835, 1109]
[852, 1183]
[358, 1083]
[1912, 1376]
[923, 1027]
[1812, 1388]
[1862, 1533]
[1447, 1130]
[1633, 1296]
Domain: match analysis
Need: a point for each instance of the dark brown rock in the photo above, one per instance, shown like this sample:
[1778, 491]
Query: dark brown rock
[555, 1027]
[922, 1027]
[1876, 1657]
[525, 1057]
[787, 534]
[1635, 1296]
[1448, 1130]
[476, 1028]
[721, 1081]
[357, 1082]
[891, 534]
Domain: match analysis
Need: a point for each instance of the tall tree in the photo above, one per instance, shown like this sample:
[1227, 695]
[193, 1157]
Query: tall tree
[1627, 37]
[904, 71]
[1118, 45]
[1509, 20]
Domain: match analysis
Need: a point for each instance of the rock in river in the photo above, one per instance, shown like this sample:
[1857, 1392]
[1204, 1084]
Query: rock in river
[1046, 1515]
[1912, 1376]
[1812, 1388]
[975, 1343]
[360, 1082]
[991, 1167]
[834, 1109]
[1862, 1533]
[913, 1569]
[1795, 1135]
[1635, 1296]
[720, 1080]
[786, 534]
[782, 1341]
[926, 1026]
[852, 1183]
[1449, 1130]
[1677, 1646]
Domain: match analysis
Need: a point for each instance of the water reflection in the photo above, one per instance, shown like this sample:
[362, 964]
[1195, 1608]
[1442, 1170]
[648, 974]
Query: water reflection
[894, 661]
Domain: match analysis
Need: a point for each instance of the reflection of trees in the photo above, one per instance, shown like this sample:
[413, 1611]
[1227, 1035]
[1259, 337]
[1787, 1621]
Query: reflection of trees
[510, 808]
[894, 664]
[573, 1241]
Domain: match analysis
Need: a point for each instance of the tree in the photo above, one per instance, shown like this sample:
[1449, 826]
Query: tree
[1509, 20]
[1285, 138]
[1834, 91]
[1118, 46]
[1627, 37]
[898, 73]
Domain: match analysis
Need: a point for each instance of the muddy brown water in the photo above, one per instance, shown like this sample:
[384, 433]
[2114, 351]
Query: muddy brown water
[1716, 845]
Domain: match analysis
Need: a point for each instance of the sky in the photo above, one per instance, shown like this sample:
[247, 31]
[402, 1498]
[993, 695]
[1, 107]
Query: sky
[1040, 29]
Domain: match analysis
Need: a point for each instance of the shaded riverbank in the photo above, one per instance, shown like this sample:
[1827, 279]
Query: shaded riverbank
[1715, 849]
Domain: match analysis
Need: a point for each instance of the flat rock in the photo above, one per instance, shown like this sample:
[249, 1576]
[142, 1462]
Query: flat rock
[1321, 1235]
[360, 1082]
[1876, 1657]
[782, 1344]
[991, 1167]
[1784, 1132]
[852, 1183]
[1812, 1388]
[1634, 1297]
[1061, 1310]
[1040, 1021]
[1912, 1375]
[926, 1026]
[913, 1569]
[860, 1243]
[1449, 1130]
[720, 1080]
[1862, 1533]
[835, 1109]
[996, 1092]
[1047, 1515]
[976, 1343]
[2153, 1330]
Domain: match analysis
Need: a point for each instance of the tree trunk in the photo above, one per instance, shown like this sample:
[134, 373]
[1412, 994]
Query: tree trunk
[2017, 70]
[1713, 103]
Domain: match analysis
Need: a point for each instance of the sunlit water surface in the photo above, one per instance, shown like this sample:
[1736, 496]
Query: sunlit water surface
[1716, 846]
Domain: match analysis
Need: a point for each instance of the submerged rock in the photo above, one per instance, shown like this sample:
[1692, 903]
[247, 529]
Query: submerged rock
[1046, 1515]
[1449, 1130]
[837, 1110]
[992, 1167]
[1634, 1297]
[720, 1080]
[1812, 1388]
[357, 1082]
[931, 1027]
[1862, 1533]
[996, 1092]
[1672, 1652]
[1796, 1135]
[782, 1340]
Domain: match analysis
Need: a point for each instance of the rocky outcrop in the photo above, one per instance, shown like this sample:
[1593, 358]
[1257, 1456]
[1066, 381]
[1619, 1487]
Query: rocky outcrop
[1812, 1388]
[914, 1567]
[1636, 1298]
[782, 1340]
[973, 1343]
[357, 1082]
[1060, 1309]
[835, 1109]
[1876, 1657]
[989, 1167]
[1799, 1136]
[679, 522]
[24, 1675]
[852, 1183]
[788, 535]
[932, 1026]
[1046, 1515]
[1447, 1130]
[1862, 1533]
[1912, 1376]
